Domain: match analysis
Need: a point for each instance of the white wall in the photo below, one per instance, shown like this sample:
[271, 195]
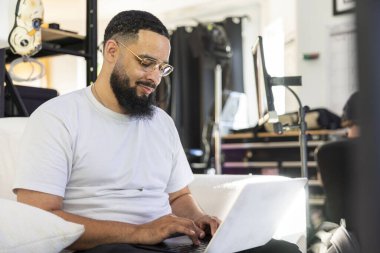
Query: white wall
[307, 28]
[279, 9]
[315, 20]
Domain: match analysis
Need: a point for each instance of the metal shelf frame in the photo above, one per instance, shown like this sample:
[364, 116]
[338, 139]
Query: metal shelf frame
[89, 52]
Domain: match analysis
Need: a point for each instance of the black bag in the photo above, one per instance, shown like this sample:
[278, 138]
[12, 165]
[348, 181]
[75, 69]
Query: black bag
[325, 119]
[334, 238]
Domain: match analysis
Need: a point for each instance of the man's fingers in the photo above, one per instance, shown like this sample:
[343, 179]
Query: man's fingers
[189, 228]
[214, 224]
[190, 232]
[209, 224]
[200, 232]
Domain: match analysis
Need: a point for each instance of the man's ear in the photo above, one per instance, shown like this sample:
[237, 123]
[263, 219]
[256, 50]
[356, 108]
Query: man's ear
[111, 51]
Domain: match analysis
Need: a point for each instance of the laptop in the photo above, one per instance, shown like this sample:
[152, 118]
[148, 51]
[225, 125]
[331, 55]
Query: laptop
[255, 208]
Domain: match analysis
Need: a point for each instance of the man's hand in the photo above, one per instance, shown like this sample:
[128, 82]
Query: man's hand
[207, 221]
[184, 205]
[162, 228]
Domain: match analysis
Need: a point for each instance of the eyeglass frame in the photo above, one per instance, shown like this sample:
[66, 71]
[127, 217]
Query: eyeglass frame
[158, 65]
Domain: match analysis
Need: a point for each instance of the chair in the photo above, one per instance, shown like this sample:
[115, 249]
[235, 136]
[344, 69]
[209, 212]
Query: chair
[336, 164]
[31, 97]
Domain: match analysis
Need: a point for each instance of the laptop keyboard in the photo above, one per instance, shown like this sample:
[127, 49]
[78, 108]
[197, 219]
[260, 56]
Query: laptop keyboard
[186, 248]
[179, 247]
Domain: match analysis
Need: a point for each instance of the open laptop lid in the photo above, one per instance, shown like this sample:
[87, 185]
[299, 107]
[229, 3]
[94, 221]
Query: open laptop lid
[256, 212]
[253, 209]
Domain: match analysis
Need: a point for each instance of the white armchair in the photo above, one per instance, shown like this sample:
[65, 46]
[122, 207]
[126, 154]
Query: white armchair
[28, 229]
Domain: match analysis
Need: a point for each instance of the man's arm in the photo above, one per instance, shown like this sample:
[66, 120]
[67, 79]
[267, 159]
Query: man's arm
[99, 232]
[184, 205]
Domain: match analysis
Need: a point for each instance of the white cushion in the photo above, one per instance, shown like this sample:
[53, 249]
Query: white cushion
[25, 228]
[11, 130]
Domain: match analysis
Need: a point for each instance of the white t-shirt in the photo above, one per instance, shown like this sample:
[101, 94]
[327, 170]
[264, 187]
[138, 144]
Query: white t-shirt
[105, 165]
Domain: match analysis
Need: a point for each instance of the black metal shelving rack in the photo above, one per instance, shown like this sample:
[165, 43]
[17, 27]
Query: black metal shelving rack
[65, 43]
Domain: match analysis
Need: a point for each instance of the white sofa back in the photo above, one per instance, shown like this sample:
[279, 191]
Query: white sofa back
[11, 130]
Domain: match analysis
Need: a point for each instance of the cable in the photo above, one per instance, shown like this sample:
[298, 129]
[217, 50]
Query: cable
[33, 62]
[295, 95]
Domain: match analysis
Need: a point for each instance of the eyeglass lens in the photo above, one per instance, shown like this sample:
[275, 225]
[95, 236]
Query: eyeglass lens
[152, 64]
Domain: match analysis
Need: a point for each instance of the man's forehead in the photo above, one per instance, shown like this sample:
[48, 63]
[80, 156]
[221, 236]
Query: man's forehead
[145, 34]
[152, 44]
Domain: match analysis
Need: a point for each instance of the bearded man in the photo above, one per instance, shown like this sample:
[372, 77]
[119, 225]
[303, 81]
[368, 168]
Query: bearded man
[106, 157]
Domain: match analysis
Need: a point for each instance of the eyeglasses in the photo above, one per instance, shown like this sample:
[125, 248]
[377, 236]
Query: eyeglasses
[151, 64]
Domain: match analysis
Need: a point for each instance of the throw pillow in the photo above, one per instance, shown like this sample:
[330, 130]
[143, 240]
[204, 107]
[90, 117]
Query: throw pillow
[25, 228]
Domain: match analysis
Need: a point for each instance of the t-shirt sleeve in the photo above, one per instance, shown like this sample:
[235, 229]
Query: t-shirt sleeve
[45, 157]
[181, 175]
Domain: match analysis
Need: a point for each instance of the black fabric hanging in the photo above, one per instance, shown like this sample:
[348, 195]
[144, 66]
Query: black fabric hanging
[185, 103]
[192, 82]
[235, 80]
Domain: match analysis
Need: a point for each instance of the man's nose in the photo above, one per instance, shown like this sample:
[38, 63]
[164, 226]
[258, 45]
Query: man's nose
[155, 76]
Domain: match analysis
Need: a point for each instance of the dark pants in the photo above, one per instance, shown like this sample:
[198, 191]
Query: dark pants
[273, 246]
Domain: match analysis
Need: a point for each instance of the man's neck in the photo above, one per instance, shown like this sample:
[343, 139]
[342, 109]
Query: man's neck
[102, 91]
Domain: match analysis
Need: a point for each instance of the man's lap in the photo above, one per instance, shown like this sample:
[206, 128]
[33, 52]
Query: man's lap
[273, 246]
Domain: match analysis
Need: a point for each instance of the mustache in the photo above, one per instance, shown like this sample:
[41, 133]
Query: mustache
[147, 84]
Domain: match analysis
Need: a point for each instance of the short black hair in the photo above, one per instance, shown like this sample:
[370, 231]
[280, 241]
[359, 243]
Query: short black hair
[129, 23]
[350, 114]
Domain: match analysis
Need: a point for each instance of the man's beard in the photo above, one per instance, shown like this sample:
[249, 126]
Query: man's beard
[140, 107]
